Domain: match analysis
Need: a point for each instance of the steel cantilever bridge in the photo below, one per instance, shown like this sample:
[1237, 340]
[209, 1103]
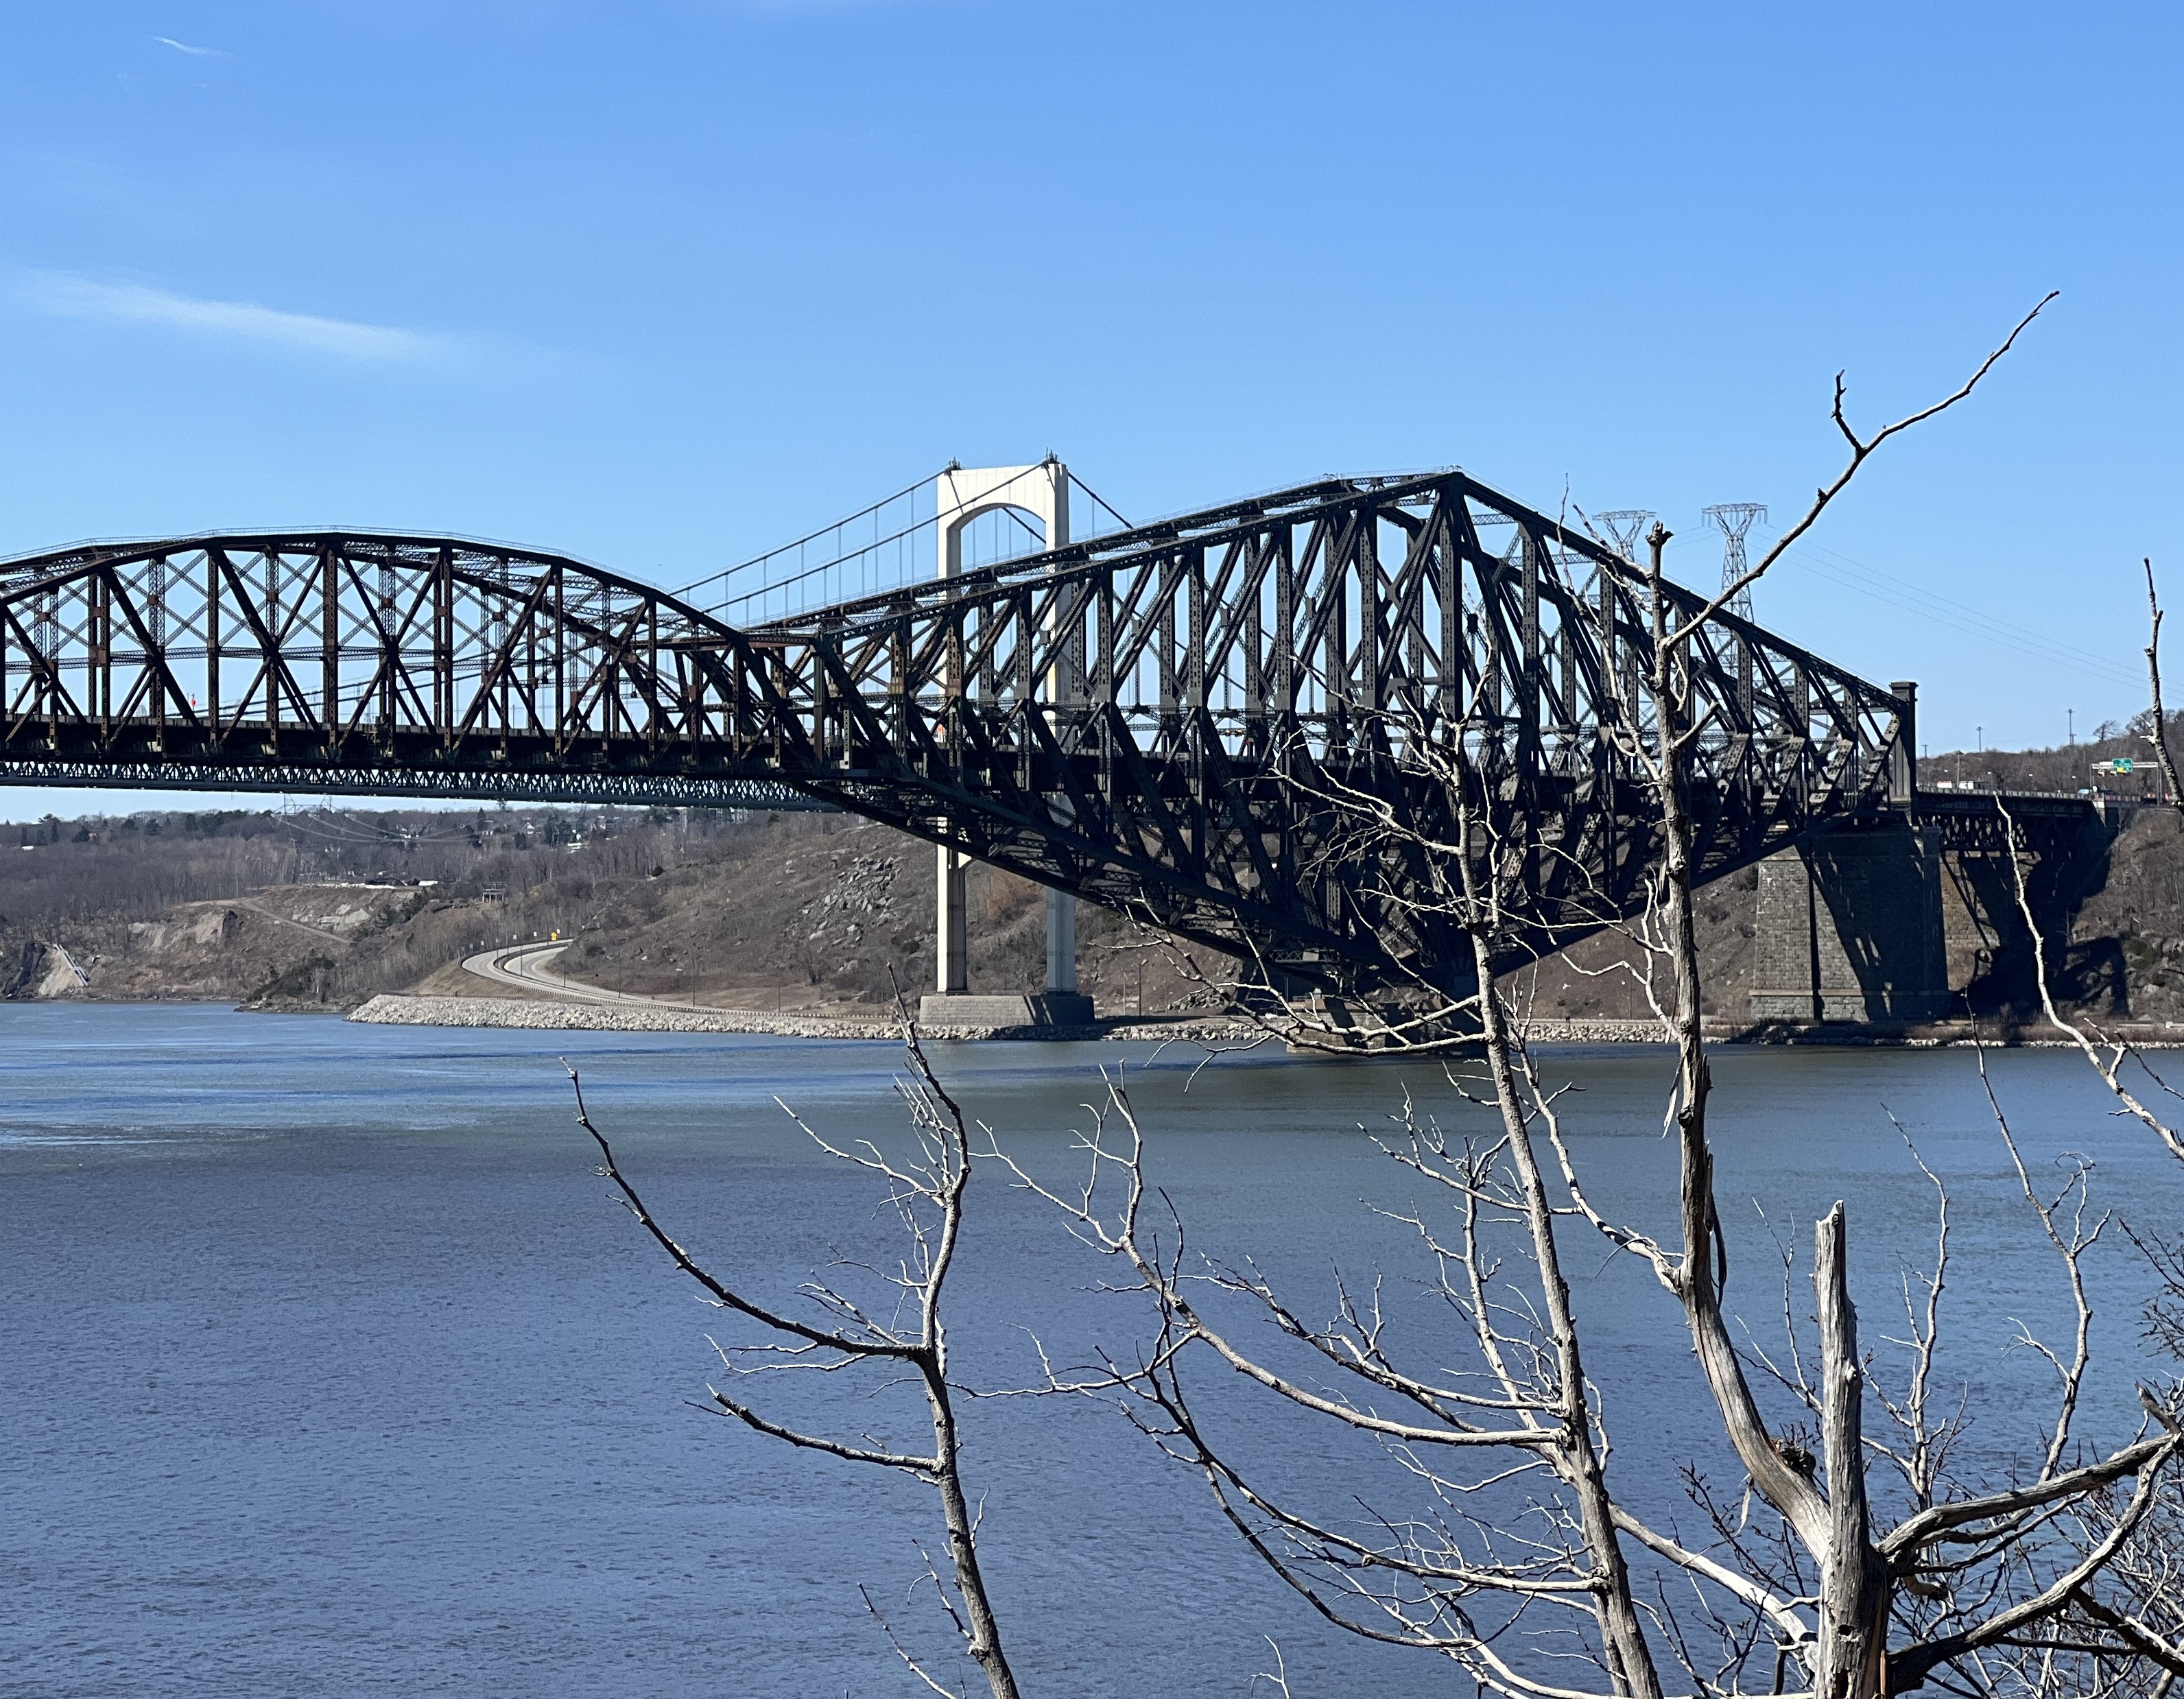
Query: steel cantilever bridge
[1152, 719]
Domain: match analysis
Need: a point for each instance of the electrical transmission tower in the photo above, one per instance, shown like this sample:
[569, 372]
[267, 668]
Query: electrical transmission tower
[1732, 518]
[1624, 526]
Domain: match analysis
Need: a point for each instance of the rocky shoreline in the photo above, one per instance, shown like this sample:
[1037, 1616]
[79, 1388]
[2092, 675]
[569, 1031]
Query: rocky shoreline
[1843, 1035]
[397, 1009]
[400, 1009]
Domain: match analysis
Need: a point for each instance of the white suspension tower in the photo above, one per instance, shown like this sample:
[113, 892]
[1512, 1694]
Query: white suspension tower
[961, 496]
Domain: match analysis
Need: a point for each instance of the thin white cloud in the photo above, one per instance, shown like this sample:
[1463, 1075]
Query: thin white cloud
[803, 8]
[185, 48]
[136, 303]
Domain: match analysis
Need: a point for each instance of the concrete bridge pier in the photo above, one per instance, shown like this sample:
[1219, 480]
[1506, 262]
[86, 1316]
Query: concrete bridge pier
[1991, 943]
[952, 929]
[1850, 927]
[1061, 946]
[1850, 924]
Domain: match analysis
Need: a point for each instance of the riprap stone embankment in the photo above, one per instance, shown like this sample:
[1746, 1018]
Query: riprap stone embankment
[393, 1010]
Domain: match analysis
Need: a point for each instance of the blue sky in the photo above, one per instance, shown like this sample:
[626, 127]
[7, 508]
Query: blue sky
[663, 284]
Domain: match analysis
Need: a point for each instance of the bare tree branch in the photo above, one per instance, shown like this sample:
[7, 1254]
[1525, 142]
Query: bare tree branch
[1861, 450]
[926, 1192]
[2109, 1067]
[2153, 679]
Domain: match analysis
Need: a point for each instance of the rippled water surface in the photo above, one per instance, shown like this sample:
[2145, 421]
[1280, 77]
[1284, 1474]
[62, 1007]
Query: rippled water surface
[326, 1365]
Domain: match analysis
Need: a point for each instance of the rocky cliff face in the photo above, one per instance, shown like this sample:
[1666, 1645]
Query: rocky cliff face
[2127, 946]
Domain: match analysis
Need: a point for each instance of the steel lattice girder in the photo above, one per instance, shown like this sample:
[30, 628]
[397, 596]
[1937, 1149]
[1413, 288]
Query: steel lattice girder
[1153, 719]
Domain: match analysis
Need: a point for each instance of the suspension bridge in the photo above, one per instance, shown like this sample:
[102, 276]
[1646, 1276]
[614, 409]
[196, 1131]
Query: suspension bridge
[1156, 717]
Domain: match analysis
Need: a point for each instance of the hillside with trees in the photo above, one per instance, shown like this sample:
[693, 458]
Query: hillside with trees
[326, 907]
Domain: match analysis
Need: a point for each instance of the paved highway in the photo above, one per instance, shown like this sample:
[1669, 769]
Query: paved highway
[535, 968]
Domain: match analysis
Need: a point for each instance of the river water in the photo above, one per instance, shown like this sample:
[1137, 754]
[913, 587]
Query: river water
[327, 1365]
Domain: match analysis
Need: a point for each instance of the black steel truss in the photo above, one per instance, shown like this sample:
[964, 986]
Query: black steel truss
[1154, 719]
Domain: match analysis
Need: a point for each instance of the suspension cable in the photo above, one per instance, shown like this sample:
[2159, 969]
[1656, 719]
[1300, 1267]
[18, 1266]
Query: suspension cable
[1100, 501]
[775, 586]
[867, 548]
[862, 513]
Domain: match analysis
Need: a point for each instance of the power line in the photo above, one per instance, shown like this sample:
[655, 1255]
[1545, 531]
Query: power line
[1957, 615]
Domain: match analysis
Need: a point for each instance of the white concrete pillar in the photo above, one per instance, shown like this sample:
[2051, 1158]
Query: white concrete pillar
[1061, 905]
[961, 496]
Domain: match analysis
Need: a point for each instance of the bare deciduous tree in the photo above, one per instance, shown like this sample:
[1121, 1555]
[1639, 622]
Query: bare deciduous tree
[1860, 1555]
[2161, 728]
[1869, 1593]
[926, 1190]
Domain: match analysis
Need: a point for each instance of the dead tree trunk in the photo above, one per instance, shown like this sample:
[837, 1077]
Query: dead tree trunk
[1851, 1660]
